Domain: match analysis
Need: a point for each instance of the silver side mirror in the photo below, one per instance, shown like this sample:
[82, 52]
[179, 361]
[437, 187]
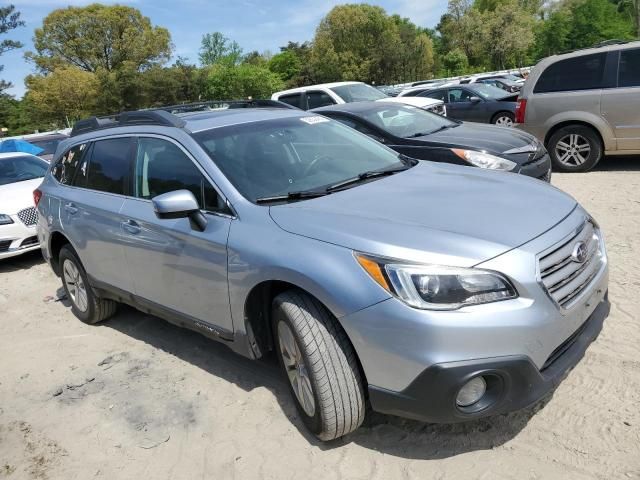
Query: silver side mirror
[180, 204]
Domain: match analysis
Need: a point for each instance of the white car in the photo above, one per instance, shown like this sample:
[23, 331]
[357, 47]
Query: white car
[325, 94]
[336, 93]
[20, 175]
[424, 103]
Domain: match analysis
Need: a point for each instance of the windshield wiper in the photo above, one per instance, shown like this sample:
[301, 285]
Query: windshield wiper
[367, 175]
[424, 134]
[300, 195]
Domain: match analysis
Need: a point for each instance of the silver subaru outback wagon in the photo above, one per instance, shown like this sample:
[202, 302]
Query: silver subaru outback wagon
[436, 292]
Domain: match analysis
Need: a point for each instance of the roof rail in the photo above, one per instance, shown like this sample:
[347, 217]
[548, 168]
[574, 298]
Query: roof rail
[140, 117]
[166, 115]
[613, 41]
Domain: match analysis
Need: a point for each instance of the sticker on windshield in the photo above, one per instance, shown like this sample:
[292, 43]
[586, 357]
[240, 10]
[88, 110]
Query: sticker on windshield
[314, 120]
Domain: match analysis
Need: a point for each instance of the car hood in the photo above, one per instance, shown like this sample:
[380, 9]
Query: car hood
[16, 196]
[478, 136]
[433, 213]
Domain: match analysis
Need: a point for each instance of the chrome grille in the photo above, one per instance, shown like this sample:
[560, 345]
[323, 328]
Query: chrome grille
[28, 216]
[561, 272]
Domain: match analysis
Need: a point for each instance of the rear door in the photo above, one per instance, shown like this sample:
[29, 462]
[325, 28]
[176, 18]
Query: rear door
[172, 265]
[621, 106]
[90, 209]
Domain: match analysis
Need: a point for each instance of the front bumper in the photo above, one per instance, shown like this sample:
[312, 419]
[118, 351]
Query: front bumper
[539, 168]
[17, 238]
[514, 382]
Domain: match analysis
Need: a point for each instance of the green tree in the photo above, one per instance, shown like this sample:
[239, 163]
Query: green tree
[552, 35]
[286, 64]
[216, 48]
[510, 30]
[9, 20]
[455, 62]
[225, 82]
[593, 21]
[65, 95]
[99, 37]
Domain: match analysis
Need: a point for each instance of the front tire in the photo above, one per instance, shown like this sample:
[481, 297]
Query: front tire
[85, 304]
[575, 148]
[320, 365]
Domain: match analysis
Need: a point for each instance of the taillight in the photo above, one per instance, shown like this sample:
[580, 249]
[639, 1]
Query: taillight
[521, 108]
[37, 195]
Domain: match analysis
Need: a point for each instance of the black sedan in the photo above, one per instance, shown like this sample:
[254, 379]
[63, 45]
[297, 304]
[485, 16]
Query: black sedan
[427, 136]
[477, 102]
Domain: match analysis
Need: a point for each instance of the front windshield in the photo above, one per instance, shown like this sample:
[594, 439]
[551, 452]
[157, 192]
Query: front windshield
[275, 157]
[406, 121]
[21, 168]
[488, 92]
[358, 92]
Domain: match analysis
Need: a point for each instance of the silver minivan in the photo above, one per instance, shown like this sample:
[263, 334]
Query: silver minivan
[432, 291]
[584, 105]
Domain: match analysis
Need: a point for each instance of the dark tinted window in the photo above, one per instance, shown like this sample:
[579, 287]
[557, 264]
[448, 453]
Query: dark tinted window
[48, 145]
[629, 71]
[293, 99]
[66, 167]
[439, 95]
[109, 166]
[318, 99]
[21, 168]
[162, 167]
[579, 73]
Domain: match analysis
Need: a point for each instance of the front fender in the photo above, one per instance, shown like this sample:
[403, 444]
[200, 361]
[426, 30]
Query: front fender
[259, 253]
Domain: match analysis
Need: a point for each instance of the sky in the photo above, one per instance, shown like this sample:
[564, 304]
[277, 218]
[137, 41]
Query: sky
[254, 24]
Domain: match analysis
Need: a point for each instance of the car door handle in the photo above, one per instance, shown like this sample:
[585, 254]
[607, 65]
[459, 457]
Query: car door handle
[131, 226]
[71, 208]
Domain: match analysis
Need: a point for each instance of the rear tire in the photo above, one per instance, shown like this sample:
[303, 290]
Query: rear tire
[575, 148]
[85, 305]
[503, 119]
[320, 365]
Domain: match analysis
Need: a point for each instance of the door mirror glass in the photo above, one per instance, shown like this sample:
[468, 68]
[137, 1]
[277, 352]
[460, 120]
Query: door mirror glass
[474, 99]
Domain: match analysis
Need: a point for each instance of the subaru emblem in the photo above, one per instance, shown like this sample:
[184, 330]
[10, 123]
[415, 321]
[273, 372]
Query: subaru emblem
[579, 253]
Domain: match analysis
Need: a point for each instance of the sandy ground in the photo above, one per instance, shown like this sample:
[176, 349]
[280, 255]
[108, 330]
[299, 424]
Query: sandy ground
[138, 398]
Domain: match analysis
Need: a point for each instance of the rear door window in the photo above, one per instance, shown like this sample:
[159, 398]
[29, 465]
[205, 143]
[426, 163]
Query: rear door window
[65, 169]
[109, 166]
[579, 73]
[629, 70]
[295, 99]
[317, 99]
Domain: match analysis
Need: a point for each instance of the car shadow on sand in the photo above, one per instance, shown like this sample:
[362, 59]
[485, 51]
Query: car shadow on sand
[386, 434]
[21, 262]
[615, 163]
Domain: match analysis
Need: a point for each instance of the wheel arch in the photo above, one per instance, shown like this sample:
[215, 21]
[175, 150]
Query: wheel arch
[258, 317]
[568, 123]
[57, 240]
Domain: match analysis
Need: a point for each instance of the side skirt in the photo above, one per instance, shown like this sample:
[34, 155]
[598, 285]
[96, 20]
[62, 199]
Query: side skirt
[105, 290]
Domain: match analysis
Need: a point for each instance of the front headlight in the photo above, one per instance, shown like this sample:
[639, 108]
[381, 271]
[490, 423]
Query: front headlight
[5, 219]
[436, 287]
[484, 160]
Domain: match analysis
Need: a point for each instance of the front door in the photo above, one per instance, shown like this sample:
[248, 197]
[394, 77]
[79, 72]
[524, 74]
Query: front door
[460, 106]
[174, 266]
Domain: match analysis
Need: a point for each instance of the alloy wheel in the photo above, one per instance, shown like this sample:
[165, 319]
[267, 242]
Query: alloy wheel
[573, 150]
[75, 285]
[296, 369]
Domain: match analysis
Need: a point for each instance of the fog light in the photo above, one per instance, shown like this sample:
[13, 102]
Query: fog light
[471, 392]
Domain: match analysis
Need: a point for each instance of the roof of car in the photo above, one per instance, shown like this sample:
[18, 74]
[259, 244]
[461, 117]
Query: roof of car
[198, 121]
[16, 154]
[319, 85]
